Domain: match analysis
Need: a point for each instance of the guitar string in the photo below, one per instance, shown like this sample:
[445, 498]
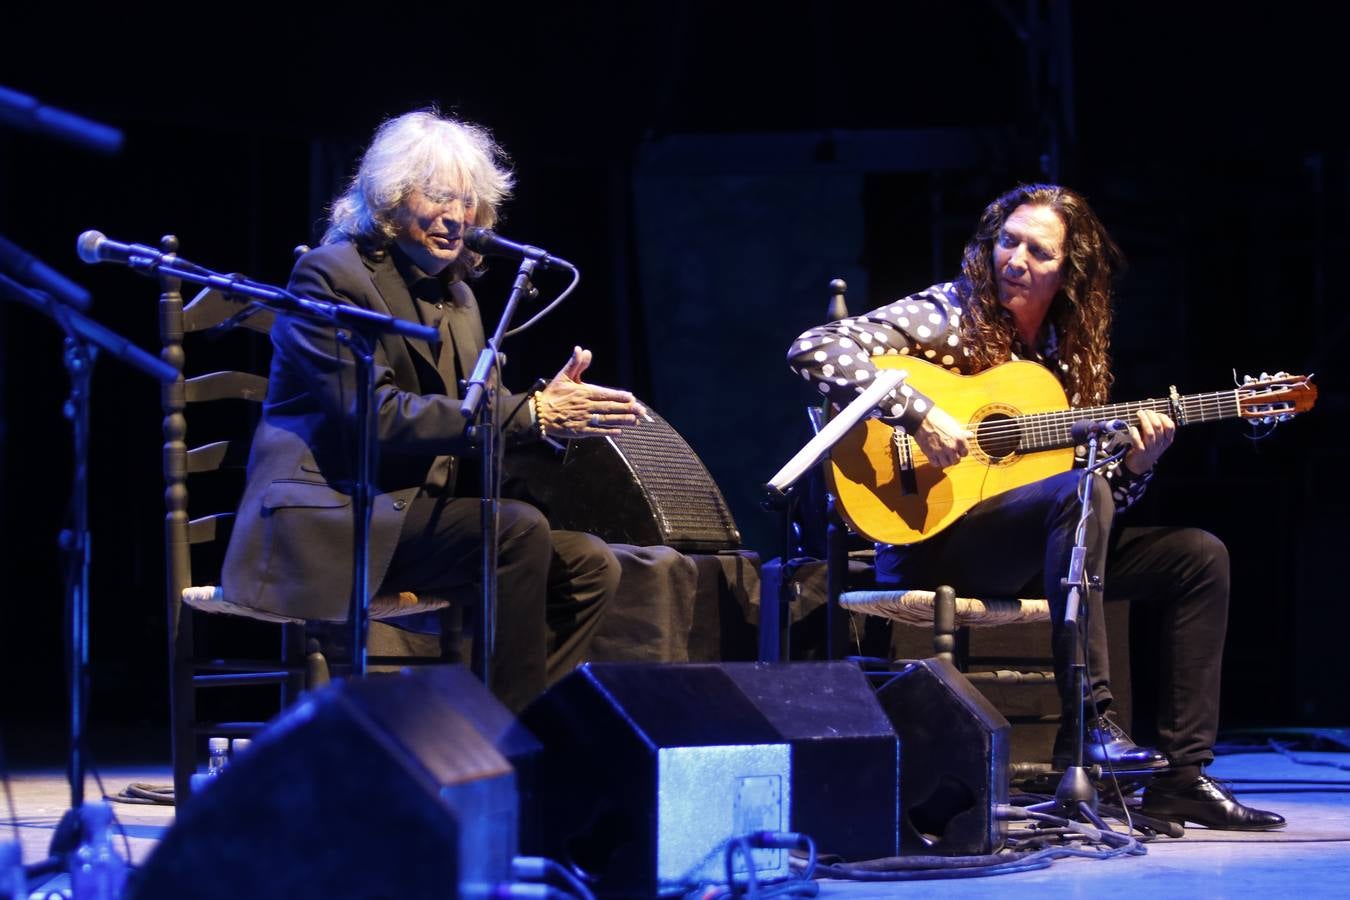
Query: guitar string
[1201, 407]
[1056, 426]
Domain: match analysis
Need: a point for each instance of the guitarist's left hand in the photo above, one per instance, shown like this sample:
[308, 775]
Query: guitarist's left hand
[1149, 438]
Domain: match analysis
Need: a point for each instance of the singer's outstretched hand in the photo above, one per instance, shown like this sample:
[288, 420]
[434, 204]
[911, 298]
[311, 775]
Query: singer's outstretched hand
[570, 408]
[1148, 439]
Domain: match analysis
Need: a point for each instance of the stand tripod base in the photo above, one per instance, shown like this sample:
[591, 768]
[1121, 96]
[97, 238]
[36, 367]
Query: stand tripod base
[1076, 799]
[67, 836]
[66, 839]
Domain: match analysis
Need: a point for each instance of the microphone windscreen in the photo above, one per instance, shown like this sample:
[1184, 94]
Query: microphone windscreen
[87, 244]
[478, 240]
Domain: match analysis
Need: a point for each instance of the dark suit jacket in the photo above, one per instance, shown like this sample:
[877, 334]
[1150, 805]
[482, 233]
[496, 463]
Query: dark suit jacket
[291, 549]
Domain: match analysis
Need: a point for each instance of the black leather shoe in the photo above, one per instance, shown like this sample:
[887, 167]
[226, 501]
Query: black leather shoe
[1206, 802]
[1106, 744]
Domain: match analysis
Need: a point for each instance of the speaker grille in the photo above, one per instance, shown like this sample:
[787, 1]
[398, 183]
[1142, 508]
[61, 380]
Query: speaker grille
[645, 486]
[687, 503]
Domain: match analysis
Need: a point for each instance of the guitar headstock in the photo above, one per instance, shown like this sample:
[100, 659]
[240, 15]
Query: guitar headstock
[1271, 399]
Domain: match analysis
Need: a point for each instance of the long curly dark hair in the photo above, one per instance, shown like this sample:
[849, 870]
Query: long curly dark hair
[1080, 312]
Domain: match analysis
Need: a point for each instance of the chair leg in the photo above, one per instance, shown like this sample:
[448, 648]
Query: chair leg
[316, 666]
[182, 704]
[944, 624]
[771, 606]
[294, 647]
[451, 621]
[836, 579]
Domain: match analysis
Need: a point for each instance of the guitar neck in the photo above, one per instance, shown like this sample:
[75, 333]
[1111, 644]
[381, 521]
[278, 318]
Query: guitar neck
[1053, 430]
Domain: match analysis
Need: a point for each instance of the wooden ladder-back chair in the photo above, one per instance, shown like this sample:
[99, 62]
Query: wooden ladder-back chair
[195, 544]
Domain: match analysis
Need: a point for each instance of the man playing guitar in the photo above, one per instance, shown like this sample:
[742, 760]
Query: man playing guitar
[1035, 285]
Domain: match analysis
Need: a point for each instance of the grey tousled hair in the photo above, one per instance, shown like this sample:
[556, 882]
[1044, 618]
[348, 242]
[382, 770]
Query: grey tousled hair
[426, 151]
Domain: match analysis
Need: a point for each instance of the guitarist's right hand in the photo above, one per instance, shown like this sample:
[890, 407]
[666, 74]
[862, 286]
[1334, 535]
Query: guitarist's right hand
[943, 440]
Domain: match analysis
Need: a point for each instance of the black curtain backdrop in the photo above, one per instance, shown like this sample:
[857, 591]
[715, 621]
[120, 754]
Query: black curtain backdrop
[1209, 139]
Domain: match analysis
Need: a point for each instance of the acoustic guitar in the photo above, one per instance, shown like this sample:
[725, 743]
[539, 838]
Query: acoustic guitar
[888, 491]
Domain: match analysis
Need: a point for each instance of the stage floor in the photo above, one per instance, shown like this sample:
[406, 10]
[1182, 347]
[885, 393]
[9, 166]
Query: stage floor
[1310, 857]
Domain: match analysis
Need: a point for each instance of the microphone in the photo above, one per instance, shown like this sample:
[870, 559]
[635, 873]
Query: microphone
[29, 114]
[96, 247]
[26, 267]
[1085, 428]
[489, 243]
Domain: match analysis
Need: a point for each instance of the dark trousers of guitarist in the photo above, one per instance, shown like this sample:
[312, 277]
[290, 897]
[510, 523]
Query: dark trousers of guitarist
[1018, 544]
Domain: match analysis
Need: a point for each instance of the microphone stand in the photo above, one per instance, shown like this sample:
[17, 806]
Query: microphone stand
[480, 406]
[363, 499]
[356, 328]
[84, 338]
[1076, 795]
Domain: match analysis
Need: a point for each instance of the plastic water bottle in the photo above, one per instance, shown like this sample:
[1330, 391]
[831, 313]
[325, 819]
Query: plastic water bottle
[238, 746]
[96, 871]
[12, 881]
[219, 748]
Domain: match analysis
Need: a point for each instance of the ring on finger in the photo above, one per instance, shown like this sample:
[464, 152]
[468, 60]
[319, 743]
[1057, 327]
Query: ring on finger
[595, 420]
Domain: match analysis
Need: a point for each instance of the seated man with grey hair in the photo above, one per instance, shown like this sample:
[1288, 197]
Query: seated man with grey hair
[395, 245]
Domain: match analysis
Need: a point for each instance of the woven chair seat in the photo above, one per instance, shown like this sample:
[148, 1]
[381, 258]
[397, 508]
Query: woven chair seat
[916, 608]
[211, 599]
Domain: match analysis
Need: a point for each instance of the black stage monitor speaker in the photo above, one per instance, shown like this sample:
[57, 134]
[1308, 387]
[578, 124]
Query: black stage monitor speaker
[392, 786]
[645, 486]
[845, 754]
[648, 770]
[953, 761]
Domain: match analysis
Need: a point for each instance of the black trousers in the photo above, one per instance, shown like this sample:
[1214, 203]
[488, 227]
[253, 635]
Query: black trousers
[552, 586]
[1019, 543]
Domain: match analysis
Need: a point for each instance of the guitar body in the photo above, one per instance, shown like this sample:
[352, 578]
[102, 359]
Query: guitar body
[886, 489]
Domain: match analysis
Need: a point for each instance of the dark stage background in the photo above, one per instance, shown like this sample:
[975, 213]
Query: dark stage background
[710, 169]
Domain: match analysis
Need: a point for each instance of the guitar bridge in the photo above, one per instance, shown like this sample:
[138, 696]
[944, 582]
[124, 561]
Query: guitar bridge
[903, 450]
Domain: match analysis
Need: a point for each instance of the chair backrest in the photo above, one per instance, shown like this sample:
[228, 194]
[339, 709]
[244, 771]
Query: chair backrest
[811, 516]
[208, 315]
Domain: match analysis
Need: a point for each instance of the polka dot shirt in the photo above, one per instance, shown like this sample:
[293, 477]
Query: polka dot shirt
[837, 358]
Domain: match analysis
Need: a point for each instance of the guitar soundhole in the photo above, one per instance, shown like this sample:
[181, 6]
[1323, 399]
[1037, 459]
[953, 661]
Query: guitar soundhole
[997, 436]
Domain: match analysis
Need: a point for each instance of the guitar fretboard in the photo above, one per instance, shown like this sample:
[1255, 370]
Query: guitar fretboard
[1053, 430]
